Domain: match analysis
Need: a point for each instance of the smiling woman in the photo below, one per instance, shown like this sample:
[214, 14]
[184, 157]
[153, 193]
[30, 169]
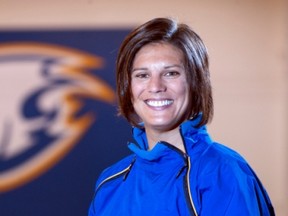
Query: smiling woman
[160, 91]
[164, 91]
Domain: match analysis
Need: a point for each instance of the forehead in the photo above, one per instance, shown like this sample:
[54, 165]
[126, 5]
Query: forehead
[159, 51]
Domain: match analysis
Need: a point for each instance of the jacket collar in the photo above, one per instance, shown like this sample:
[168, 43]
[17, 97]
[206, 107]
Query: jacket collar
[187, 128]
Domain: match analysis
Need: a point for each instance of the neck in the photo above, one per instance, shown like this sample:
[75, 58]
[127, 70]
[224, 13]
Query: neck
[173, 137]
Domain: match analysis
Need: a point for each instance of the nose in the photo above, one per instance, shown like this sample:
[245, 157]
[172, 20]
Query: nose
[156, 85]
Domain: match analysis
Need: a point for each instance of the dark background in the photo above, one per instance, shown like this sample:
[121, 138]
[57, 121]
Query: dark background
[68, 187]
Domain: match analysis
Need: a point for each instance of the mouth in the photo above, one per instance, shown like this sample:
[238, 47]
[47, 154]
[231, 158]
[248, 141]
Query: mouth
[158, 103]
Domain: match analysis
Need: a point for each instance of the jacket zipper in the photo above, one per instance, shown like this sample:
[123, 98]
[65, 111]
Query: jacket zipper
[124, 172]
[187, 186]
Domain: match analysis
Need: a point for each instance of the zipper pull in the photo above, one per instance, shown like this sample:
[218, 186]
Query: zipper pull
[181, 170]
[129, 169]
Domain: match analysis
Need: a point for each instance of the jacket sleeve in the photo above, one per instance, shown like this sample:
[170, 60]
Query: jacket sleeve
[233, 189]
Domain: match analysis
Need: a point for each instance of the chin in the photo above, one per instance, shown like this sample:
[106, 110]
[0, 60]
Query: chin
[164, 126]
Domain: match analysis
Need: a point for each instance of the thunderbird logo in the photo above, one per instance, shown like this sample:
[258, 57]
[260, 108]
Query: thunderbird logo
[41, 114]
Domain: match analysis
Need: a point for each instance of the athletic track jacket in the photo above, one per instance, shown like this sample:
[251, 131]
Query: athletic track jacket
[208, 179]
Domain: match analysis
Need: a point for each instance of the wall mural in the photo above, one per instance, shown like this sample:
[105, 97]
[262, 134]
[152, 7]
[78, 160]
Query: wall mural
[58, 111]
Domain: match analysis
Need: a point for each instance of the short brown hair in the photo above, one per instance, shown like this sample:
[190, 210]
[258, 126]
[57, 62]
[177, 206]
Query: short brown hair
[196, 62]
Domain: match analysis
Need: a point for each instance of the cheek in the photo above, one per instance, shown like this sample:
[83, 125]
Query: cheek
[181, 89]
[183, 93]
[135, 91]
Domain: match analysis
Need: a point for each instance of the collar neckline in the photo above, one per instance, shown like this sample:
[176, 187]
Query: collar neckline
[141, 148]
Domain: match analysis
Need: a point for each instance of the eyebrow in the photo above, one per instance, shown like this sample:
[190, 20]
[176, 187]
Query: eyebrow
[166, 67]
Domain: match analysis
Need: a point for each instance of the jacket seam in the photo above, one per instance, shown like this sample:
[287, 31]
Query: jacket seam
[111, 177]
[114, 176]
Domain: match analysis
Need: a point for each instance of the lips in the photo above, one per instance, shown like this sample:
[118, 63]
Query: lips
[158, 103]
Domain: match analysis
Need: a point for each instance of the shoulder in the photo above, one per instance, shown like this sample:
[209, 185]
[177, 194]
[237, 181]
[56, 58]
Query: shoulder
[225, 179]
[223, 153]
[224, 162]
[220, 168]
[115, 168]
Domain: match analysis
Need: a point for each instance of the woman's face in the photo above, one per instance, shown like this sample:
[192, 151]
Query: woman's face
[159, 86]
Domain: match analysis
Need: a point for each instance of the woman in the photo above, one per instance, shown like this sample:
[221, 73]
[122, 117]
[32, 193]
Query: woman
[164, 91]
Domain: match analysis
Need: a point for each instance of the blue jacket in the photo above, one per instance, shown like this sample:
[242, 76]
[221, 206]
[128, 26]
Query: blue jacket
[209, 179]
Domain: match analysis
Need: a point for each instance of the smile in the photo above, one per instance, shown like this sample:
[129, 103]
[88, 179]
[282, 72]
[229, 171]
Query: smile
[159, 103]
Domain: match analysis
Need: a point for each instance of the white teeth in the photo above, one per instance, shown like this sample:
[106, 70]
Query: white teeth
[157, 103]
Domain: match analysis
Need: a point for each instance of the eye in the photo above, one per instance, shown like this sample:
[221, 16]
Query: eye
[172, 74]
[141, 75]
